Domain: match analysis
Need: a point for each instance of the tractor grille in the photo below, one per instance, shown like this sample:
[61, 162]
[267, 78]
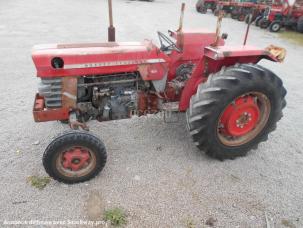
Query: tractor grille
[50, 89]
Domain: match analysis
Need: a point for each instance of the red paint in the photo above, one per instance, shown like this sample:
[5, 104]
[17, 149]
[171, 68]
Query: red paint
[290, 13]
[75, 158]
[131, 57]
[241, 117]
[41, 114]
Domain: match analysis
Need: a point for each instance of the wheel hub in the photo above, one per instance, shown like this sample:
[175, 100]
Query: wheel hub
[240, 117]
[275, 27]
[76, 158]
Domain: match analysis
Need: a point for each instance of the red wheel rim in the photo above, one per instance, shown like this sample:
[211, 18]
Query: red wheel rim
[240, 117]
[76, 161]
[243, 119]
[76, 158]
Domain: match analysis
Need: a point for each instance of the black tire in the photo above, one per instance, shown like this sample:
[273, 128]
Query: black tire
[275, 26]
[203, 10]
[257, 21]
[264, 23]
[74, 139]
[234, 16]
[300, 25]
[213, 97]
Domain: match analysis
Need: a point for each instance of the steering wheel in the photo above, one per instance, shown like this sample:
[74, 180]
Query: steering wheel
[170, 45]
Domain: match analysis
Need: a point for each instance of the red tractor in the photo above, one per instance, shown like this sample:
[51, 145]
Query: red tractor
[227, 6]
[284, 16]
[231, 102]
[203, 5]
[242, 9]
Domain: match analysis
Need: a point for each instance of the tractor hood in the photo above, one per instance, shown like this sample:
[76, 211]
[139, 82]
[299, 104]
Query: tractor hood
[53, 60]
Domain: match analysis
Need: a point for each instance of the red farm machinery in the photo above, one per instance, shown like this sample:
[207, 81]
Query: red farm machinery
[226, 6]
[243, 9]
[231, 102]
[203, 5]
[284, 15]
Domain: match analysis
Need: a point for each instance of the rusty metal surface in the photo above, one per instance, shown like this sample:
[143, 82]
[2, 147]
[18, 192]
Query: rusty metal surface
[278, 52]
[69, 92]
[40, 114]
[218, 29]
[181, 18]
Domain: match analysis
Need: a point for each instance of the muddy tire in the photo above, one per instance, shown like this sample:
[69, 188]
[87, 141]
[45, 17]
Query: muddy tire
[75, 156]
[300, 25]
[252, 94]
[275, 26]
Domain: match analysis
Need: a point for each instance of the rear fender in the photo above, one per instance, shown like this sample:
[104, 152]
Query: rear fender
[217, 57]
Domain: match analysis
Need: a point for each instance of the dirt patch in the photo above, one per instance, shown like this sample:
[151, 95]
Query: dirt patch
[293, 37]
[94, 206]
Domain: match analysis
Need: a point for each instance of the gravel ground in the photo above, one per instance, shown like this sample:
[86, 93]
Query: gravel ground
[154, 171]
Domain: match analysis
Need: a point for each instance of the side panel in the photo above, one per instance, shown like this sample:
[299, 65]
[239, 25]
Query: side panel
[191, 86]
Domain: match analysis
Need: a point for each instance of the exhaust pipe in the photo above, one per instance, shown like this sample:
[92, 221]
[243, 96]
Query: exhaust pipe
[181, 17]
[111, 28]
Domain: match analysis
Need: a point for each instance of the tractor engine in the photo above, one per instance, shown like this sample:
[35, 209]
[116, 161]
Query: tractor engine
[105, 97]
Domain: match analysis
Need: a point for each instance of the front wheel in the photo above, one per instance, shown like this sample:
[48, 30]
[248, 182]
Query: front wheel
[275, 26]
[74, 157]
[264, 23]
[235, 110]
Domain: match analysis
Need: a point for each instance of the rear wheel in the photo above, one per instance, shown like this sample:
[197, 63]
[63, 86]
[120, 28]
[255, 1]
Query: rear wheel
[74, 157]
[275, 26]
[241, 17]
[257, 21]
[300, 25]
[234, 15]
[235, 110]
[264, 23]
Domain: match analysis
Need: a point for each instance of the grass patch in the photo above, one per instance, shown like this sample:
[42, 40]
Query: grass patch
[190, 223]
[38, 182]
[287, 223]
[116, 216]
[293, 37]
